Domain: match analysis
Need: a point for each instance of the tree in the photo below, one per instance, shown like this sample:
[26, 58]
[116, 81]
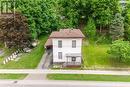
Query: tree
[90, 29]
[126, 15]
[14, 30]
[102, 11]
[120, 50]
[41, 15]
[68, 12]
[117, 27]
[45, 16]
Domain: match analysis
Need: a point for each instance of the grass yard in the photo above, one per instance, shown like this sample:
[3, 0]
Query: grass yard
[95, 55]
[89, 77]
[27, 61]
[12, 76]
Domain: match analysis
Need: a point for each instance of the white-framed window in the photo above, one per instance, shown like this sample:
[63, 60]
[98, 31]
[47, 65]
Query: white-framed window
[73, 43]
[59, 55]
[59, 43]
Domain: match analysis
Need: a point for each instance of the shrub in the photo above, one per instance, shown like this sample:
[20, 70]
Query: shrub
[120, 50]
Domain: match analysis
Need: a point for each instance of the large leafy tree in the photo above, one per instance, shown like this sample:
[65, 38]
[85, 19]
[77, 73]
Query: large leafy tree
[68, 13]
[47, 15]
[14, 30]
[41, 15]
[103, 12]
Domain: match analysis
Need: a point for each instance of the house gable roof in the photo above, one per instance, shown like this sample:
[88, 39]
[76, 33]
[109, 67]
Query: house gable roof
[67, 33]
[64, 33]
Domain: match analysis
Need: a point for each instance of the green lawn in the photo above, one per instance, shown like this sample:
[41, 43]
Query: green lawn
[12, 76]
[95, 55]
[27, 61]
[89, 77]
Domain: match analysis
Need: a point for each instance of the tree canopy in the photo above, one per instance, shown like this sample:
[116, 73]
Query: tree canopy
[45, 16]
[14, 30]
[41, 15]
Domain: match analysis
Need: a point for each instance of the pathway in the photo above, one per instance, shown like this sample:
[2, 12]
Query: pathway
[1, 52]
[44, 64]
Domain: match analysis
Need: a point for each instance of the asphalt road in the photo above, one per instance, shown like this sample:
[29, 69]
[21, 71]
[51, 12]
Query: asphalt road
[46, 83]
[45, 86]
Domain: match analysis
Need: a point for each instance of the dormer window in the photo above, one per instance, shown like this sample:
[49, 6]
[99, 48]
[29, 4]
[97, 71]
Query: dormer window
[73, 43]
[59, 43]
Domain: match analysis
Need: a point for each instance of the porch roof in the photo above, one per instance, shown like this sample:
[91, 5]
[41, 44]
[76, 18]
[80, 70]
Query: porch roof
[73, 55]
[48, 42]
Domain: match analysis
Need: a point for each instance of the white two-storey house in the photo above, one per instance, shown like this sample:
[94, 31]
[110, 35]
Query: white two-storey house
[66, 46]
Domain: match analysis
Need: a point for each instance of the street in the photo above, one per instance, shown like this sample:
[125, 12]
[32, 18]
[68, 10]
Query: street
[51, 83]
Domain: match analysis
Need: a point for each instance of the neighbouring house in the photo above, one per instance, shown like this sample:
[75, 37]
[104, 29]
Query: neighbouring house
[66, 45]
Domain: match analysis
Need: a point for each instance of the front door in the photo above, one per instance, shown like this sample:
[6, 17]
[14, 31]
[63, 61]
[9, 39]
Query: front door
[73, 60]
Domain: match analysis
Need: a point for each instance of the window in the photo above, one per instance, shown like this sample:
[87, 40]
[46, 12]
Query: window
[59, 43]
[59, 55]
[73, 43]
[73, 58]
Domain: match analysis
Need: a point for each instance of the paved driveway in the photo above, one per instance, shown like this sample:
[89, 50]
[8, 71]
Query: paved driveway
[48, 60]
[45, 63]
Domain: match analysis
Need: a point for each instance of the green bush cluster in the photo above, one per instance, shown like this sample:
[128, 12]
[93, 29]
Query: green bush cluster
[120, 50]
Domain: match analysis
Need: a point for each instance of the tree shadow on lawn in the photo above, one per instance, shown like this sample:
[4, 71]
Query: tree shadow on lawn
[118, 64]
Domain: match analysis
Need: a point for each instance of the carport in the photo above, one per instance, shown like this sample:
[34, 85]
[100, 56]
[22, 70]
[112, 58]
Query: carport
[48, 44]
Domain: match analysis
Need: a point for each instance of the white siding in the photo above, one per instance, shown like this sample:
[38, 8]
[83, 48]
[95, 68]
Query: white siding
[66, 48]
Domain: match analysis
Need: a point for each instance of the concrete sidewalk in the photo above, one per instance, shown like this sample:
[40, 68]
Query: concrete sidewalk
[46, 71]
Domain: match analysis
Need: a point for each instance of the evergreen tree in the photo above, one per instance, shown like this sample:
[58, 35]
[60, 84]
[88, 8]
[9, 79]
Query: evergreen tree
[117, 27]
[90, 29]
